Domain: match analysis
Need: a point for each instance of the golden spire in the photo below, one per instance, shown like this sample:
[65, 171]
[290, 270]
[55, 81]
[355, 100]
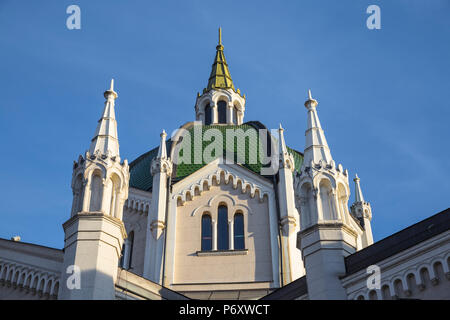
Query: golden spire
[220, 75]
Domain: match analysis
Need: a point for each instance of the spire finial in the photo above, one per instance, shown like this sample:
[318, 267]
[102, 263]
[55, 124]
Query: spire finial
[162, 152]
[105, 140]
[311, 102]
[220, 74]
[358, 193]
[281, 127]
[110, 92]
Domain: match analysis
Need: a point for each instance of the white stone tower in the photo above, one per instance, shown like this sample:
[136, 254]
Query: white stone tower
[95, 232]
[220, 102]
[327, 231]
[161, 169]
[363, 212]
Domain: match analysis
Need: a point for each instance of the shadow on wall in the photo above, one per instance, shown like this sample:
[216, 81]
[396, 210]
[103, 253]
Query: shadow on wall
[257, 231]
[87, 285]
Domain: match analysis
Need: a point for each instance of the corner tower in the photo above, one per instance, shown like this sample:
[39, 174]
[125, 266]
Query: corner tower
[220, 102]
[362, 211]
[94, 234]
[328, 232]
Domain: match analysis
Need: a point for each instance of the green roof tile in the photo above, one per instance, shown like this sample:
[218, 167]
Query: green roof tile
[141, 178]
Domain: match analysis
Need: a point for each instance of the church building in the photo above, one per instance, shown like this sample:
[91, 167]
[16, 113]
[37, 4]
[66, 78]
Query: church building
[224, 209]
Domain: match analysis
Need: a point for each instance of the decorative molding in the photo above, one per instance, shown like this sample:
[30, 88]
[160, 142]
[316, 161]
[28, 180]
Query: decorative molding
[220, 176]
[222, 253]
[401, 266]
[29, 278]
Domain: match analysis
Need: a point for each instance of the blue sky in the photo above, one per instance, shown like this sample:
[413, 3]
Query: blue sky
[383, 94]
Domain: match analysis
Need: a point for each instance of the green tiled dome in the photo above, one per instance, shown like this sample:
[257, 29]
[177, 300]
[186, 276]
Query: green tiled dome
[141, 178]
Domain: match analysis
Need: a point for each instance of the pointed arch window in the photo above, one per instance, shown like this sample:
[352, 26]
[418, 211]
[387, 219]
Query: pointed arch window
[96, 193]
[206, 233]
[127, 252]
[222, 109]
[239, 241]
[222, 228]
[130, 244]
[208, 115]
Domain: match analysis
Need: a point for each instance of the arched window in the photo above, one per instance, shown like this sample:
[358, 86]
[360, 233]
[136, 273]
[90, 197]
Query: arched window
[122, 256]
[78, 192]
[96, 193]
[222, 228]
[239, 242]
[206, 233]
[127, 252]
[130, 243]
[235, 114]
[222, 108]
[208, 115]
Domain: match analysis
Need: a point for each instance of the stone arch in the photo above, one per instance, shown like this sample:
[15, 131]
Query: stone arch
[425, 275]
[94, 169]
[221, 96]
[342, 195]
[386, 293]
[215, 179]
[29, 277]
[438, 269]
[306, 205]
[15, 277]
[96, 191]
[9, 274]
[113, 196]
[373, 295]
[41, 284]
[78, 194]
[398, 286]
[360, 297]
[326, 196]
[55, 288]
[411, 281]
[47, 286]
[22, 278]
[34, 282]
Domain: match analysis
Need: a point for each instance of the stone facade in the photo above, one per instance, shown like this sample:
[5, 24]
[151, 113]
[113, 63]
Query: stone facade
[158, 228]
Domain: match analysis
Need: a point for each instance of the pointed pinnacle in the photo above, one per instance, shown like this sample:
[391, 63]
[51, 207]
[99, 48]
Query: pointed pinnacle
[111, 88]
[281, 128]
[309, 94]
[356, 178]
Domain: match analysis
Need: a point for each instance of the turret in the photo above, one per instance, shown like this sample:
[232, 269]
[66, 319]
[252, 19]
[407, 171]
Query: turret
[362, 211]
[161, 169]
[291, 262]
[327, 232]
[94, 234]
[220, 102]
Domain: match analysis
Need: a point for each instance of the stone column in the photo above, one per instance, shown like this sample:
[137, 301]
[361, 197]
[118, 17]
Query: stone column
[214, 234]
[230, 234]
